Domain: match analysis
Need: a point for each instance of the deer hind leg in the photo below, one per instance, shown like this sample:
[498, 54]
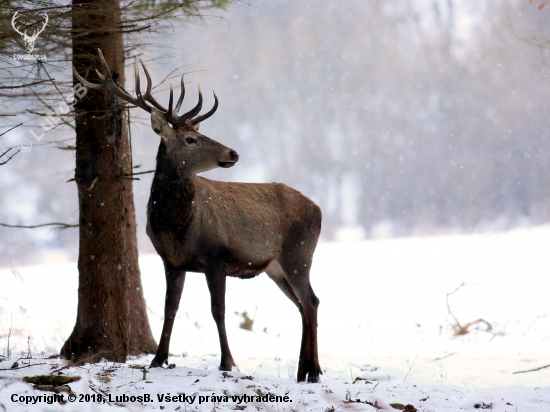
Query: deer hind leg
[277, 275]
[216, 279]
[292, 277]
[175, 280]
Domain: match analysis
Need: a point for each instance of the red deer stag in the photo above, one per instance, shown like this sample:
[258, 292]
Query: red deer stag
[220, 228]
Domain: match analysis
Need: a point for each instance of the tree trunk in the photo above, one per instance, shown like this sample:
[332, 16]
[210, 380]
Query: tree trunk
[111, 319]
[141, 338]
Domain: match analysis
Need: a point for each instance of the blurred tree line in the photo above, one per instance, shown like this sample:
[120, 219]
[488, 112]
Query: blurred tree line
[429, 115]
[420, 117]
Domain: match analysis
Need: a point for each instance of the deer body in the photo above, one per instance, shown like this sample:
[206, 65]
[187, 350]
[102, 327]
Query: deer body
[212, 214]
[222, 229]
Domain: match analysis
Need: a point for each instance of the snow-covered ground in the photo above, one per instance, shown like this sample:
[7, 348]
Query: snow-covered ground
[383, 317]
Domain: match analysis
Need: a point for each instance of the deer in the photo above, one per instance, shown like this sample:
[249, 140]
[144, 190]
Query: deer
[29, 40]
[221, 228]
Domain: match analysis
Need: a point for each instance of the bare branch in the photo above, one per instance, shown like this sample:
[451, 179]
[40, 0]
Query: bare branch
[139, 173]
[60, 226]
[10, 129]
[9, 158]
[27, 85]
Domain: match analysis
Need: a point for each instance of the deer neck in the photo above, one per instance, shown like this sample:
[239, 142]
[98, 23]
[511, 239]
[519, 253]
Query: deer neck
[172, 193]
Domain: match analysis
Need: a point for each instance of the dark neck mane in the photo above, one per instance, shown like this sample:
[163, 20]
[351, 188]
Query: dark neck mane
[170, 205]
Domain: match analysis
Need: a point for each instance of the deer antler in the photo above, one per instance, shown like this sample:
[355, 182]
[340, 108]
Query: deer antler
[171, 115]
[140, 100]
[110, 85]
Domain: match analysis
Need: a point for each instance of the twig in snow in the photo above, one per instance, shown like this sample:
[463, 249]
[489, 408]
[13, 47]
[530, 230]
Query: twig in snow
[533, 323]
[532, 370]
[410, 367]
[446, 356]
[463, 330]
[83, 361]
[101, 393]
[449, 307]
[22, 367]
[457, 327]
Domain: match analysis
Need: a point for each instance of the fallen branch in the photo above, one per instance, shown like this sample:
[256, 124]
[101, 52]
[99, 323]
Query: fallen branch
[532, 370]
[100, 393]
[463, 330]
[446, 356]
[457, 327]
[83, 361]
[22, 367]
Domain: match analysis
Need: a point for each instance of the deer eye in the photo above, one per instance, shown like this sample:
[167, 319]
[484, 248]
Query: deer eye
[190, 140]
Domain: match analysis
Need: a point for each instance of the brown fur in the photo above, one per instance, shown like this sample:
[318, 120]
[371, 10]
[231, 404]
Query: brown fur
[230, 229]
[222, 229]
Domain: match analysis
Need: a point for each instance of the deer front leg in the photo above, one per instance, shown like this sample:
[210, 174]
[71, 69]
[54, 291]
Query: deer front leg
[216, 280]
[175, 280]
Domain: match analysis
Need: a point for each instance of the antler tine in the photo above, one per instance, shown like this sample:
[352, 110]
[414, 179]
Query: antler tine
[148, 96]
[182, 94]
[136, 79]
[86, 82]
[102, 59]
[208, 114]
[191, 113]
[118, 90]
[110, 85]
[101, 76]
[171, 101]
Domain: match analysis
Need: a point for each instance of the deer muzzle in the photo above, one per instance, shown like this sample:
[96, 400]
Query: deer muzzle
[230, 160]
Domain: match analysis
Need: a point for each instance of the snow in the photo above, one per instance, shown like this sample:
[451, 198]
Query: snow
[383, 317]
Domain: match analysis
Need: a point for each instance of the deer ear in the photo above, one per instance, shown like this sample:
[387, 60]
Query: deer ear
[196, 126]
[160, 125]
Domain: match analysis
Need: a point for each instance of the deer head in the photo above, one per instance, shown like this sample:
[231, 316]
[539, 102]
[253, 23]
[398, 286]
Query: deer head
[29, 40]
[186, 149]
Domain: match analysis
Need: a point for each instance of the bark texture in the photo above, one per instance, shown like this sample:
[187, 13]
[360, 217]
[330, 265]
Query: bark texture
[111, 318]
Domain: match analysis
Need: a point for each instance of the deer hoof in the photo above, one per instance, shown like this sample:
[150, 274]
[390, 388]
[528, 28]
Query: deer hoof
[227, 366]
[312, 378]
[157, 363]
